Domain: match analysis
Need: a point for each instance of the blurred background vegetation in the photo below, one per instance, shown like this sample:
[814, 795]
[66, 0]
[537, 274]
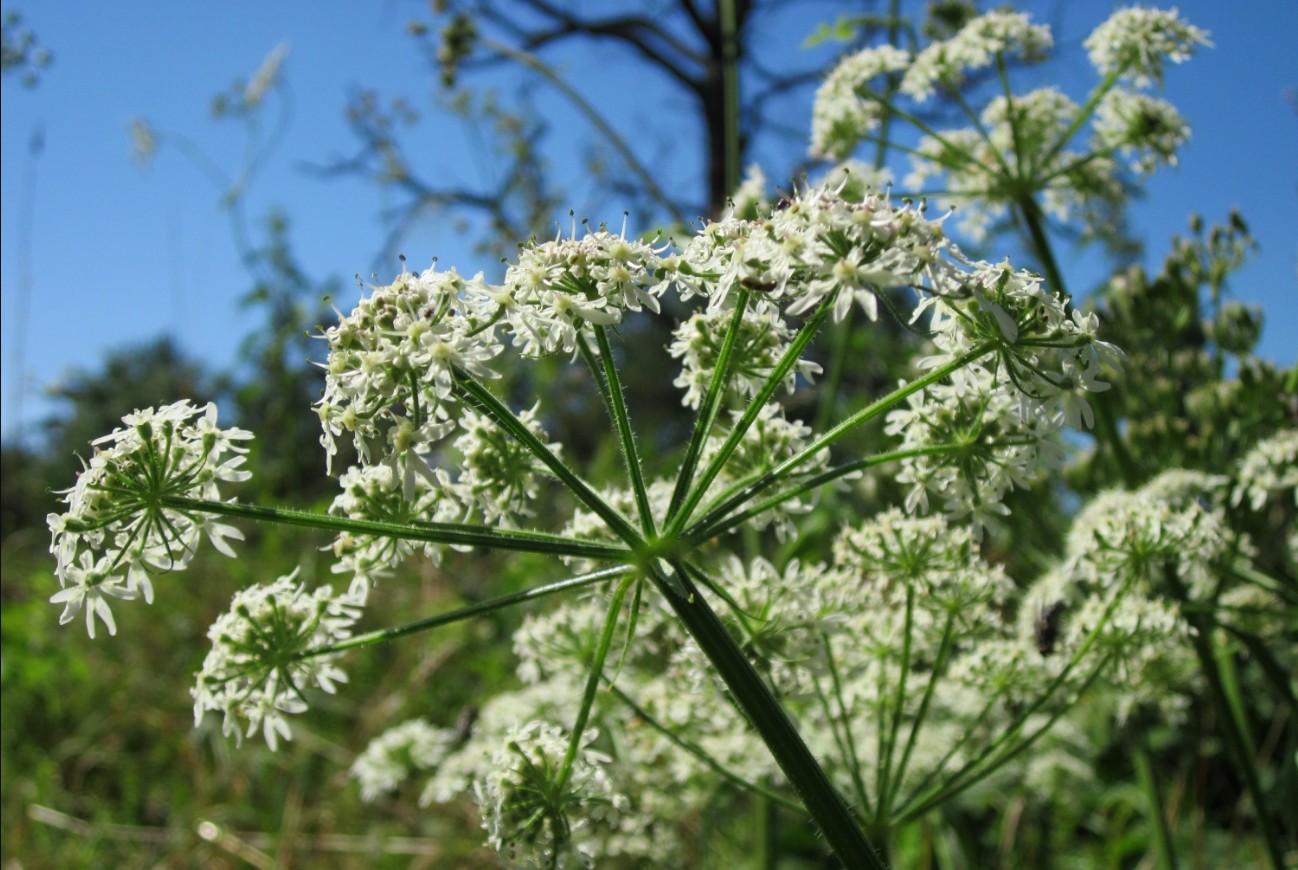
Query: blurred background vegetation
[102, 765]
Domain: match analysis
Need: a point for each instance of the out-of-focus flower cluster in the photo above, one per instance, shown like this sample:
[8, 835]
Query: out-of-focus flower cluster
[1268, 471]
[264, 657]
[119, 528]
[1024, 142]
[907, 631]
[1127, 554]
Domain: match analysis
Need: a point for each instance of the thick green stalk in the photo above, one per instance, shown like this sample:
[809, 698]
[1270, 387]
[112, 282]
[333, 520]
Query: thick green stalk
[765, 714]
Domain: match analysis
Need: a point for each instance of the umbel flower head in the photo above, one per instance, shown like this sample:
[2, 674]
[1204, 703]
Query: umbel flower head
[1021, 143]
[536, 809]
[262, 664]
[121, 524]
[392, 362]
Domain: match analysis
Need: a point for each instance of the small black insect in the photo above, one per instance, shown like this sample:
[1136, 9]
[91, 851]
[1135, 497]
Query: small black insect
[1046, 629]
[464, 725]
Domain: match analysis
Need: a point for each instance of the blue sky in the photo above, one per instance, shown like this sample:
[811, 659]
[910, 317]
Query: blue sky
[116, 255]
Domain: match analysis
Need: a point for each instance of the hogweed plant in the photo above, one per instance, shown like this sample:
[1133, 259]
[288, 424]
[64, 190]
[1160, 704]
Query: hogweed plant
[860, 688]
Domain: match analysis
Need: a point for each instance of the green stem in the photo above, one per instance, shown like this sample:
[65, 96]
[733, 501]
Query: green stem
[595, 676]
[622, 420]
[992, 757]
[898, 707]
[503, 417]
[435, 533]
[716, 521]
[847, 741]
[1083, 114]
[988, 763]
[710, 406]
[1235, 727]
[945, 648]
[773, 380]
[765, 714]
[1163, 839]
[386, 634]
[861, 417]
[840, 341]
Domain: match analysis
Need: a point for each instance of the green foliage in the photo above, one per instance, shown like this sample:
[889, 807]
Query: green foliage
[104, 732]
[1192, 394]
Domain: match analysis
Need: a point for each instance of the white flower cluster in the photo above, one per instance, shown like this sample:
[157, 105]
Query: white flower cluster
[771, 439]
[971, 164]
[998, 414]
[558, 287]
[847, 109]
[390, 758]
[1144, 129]
[761, 340]
[1268, 470]
[118, 528]
[537, 813]
[1114, 583]
[264, 656]
[975, 46]
[1134, 43]
[401, 489]
[1175, 522]
[392, 362]
[843, 115]
[497, 481]
[1022, 142]
[814, 246]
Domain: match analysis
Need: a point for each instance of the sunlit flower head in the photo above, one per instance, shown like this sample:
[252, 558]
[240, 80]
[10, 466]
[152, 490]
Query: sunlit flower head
[126, 516]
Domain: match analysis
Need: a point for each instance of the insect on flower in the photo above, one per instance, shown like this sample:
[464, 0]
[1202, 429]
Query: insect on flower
[1045, 631]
